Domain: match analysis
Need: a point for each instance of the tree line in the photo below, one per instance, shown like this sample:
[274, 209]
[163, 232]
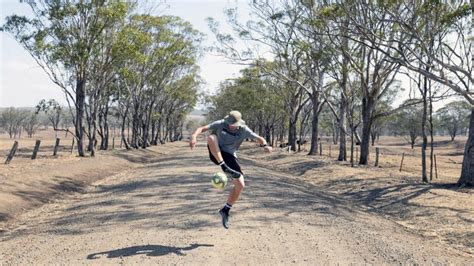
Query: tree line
[113, 63]
[349, 61]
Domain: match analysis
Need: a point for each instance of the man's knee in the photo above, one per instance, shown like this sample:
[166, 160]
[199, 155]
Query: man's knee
[212, 139]
[239, 183]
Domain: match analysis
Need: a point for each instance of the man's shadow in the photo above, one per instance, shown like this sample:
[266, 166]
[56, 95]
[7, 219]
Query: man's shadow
[149, 250]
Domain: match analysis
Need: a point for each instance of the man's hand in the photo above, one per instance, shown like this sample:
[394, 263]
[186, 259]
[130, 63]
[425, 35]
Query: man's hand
[268, 149]
[192, 142]
[199, 130]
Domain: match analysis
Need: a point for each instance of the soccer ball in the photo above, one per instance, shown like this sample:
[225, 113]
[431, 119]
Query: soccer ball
[219, 180]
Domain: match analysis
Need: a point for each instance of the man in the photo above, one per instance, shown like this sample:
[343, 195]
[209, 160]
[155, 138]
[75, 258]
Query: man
[225, 139]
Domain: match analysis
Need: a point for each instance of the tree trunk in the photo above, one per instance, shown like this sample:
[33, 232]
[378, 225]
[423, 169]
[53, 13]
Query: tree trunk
[314, 124]
[345, 78]
[342, 130]
[159, 134]
[367, 108]
[335, 132]
[356, 135]
[101, 129]
[424, 177]
[373, 136]
[431, 133]
[352, 147]
[273, 137]
[153, 130]
[93, 127]
[146, 127]
[268, 134]
[124, 123]
[135, 125]
[106, 127]
[80, 99]
[292, 134]
[467, 172]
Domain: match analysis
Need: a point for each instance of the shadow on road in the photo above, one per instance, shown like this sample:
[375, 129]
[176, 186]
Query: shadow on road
[149, 250]
[174, 192]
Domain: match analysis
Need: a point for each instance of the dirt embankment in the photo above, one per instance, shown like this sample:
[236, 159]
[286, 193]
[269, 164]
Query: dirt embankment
[27, 184]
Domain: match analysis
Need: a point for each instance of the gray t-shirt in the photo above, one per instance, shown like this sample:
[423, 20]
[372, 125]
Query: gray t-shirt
[230, 141]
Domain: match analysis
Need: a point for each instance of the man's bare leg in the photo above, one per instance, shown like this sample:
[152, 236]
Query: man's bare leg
[239, 184]
[214, 147]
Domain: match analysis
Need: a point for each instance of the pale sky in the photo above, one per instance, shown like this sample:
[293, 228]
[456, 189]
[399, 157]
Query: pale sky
[23, 83]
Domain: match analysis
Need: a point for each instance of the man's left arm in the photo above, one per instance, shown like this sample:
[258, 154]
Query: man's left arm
[263, 143]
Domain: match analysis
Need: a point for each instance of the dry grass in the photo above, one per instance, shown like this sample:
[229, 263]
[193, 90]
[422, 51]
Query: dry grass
[48, 139]
[26, 183]
[439, 210]
[449, 156]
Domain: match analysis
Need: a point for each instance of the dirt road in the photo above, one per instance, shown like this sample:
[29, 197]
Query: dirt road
[166, 213]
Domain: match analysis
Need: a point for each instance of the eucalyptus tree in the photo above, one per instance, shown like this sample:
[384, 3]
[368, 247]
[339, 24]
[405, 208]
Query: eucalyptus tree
[61, 36]
[376, 74]
[179, 49]
[408, 123]
[273, 27]
[159, 50]
[258, 96]
[452, 65]
[53, 111]
[341, 50]
[12, 119]
[31, 123]
[102, 74]
[454, 117]
[318, 57]
[328, 125]
[182, 96]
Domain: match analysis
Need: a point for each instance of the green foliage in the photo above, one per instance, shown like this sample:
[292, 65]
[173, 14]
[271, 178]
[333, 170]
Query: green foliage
[454, 117]
[277, 15]
[256, 96]
[407, 123]
[458, 13]
[329, 11]
[12, 119]
[52, 109]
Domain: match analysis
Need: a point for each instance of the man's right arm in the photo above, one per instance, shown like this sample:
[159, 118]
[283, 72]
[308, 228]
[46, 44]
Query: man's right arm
[199, 130]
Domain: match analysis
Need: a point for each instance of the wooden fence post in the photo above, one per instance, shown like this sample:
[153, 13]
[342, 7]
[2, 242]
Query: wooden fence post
[35, 150]
[377, 157]
[320, 148]
[55, 152]
[401, 164]
[12, 152]
[113, 143]
[72, 146]
[436, 167]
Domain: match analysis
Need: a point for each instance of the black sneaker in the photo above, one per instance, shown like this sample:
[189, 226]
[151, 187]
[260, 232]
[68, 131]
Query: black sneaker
[230, 171]
[225, 218]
